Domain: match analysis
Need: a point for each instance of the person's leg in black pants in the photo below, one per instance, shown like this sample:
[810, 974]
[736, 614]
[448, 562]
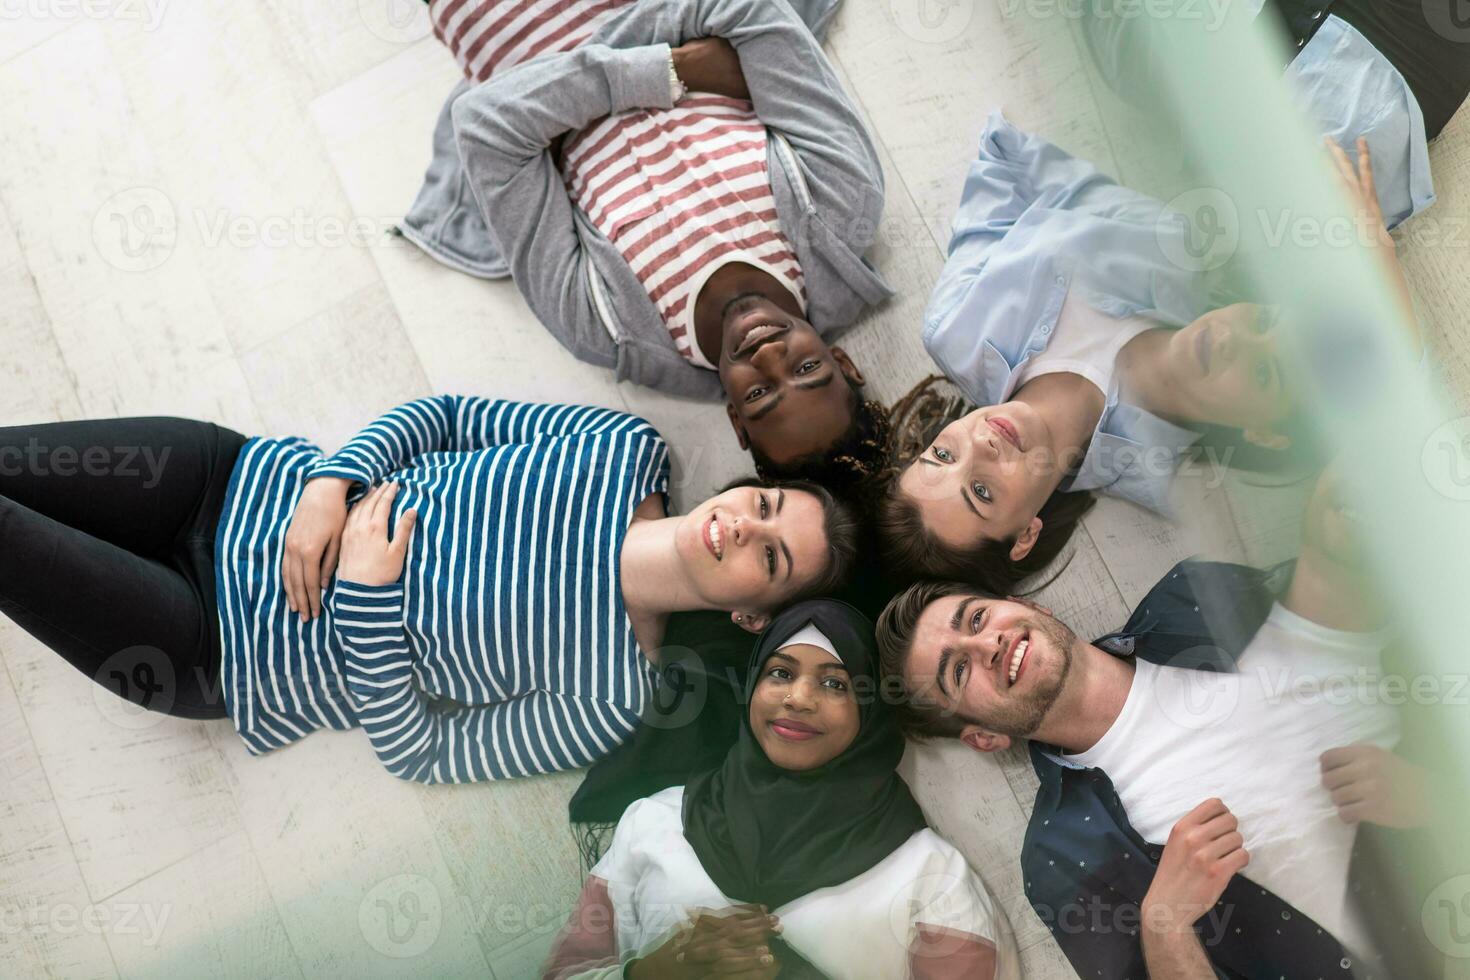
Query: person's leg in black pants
[1428, 41]
[107, 551]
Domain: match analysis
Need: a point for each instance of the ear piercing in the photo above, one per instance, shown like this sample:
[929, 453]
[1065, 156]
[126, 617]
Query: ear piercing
[739, 618]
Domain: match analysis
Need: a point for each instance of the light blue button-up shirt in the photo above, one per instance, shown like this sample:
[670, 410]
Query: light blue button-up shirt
[1035, 222]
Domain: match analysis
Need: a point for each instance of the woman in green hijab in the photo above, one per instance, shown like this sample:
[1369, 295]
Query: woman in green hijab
[802, 851]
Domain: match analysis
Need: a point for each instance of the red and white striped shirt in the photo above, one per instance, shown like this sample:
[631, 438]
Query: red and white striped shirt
[681, 193]
[489, 36]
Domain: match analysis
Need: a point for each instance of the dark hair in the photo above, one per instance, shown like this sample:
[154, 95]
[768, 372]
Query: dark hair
[841, 528]
[914, 552]
[916, 717]
[1302, 459]
[851, 464]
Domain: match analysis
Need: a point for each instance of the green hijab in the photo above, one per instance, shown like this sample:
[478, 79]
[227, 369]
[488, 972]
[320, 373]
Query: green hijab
[770, 835]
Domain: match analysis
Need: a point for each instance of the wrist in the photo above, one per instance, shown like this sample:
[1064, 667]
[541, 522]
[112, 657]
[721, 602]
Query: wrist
[335, 484]
[1163, 920]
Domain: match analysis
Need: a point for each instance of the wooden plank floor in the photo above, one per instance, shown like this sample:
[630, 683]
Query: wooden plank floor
[176, 197]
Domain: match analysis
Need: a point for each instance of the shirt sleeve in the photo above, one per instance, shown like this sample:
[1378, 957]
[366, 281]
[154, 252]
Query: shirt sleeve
[535, 733]
[587, 946]
[453, 423]
[940, 953]
[954, 926]
[504, 128]
[797, 94]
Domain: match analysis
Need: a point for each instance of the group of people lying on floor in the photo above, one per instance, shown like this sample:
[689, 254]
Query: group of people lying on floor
[684, 193]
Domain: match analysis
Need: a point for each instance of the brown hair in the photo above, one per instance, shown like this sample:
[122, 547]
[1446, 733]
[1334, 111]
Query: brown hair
[913, 552]
[916, 717]
[841, 527]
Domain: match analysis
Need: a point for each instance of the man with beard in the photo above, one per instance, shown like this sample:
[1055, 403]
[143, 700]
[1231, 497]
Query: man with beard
[1203, 772]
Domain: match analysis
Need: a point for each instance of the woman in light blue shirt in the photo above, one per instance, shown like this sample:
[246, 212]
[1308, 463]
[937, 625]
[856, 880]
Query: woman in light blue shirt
[1102, 363]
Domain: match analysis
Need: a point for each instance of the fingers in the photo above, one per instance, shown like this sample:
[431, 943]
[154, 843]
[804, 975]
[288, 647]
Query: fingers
[329, 558]
[1225, 845]
[1342, 163]
[1218, 826]
[749, 926]
[311, 586]
[296, 587]
[403, 531]
[1205, 812]
[383, 504]
[1365, 169]
[1335, 758]
[1235, 862]
[286, 563]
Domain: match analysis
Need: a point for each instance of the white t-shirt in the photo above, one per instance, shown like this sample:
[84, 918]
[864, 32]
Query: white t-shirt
[1083, 342]
[1254, 739]
[863, 928]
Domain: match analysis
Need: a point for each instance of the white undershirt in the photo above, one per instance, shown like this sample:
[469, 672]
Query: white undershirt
[1254, 739]
[1083, 342]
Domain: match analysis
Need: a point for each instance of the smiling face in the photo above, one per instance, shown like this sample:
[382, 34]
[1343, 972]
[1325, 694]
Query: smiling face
[1228, 364]
[753, 548]
[999, 664]
[790, 394]
[803, 711]
[985, 476]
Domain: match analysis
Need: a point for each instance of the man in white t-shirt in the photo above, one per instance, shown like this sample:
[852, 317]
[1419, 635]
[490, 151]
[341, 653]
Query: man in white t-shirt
[1262, 769]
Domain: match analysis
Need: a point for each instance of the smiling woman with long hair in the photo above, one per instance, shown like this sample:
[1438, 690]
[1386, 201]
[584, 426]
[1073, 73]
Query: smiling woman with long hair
[507, 626]
[802, 851]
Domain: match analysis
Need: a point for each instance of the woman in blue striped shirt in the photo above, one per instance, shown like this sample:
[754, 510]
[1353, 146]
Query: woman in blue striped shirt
[536, 570]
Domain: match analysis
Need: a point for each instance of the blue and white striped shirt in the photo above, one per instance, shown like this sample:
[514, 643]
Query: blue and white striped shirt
[505, 649]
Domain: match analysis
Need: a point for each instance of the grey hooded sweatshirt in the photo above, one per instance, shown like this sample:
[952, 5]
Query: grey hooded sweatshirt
[494, 203]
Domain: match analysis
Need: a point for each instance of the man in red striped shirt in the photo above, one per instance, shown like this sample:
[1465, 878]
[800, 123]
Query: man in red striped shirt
[682, 192]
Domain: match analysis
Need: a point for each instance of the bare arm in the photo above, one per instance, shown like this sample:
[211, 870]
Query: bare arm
[1175, 956]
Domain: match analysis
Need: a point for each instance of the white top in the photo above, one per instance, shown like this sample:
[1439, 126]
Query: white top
[864, 928]
[1254, 739]
[1083, 342]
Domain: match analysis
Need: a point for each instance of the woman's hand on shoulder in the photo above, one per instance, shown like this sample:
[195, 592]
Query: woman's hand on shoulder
[312, 544]
[368, 557]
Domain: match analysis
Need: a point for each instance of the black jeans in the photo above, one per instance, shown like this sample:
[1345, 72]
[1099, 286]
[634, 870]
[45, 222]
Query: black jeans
[107, 552]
